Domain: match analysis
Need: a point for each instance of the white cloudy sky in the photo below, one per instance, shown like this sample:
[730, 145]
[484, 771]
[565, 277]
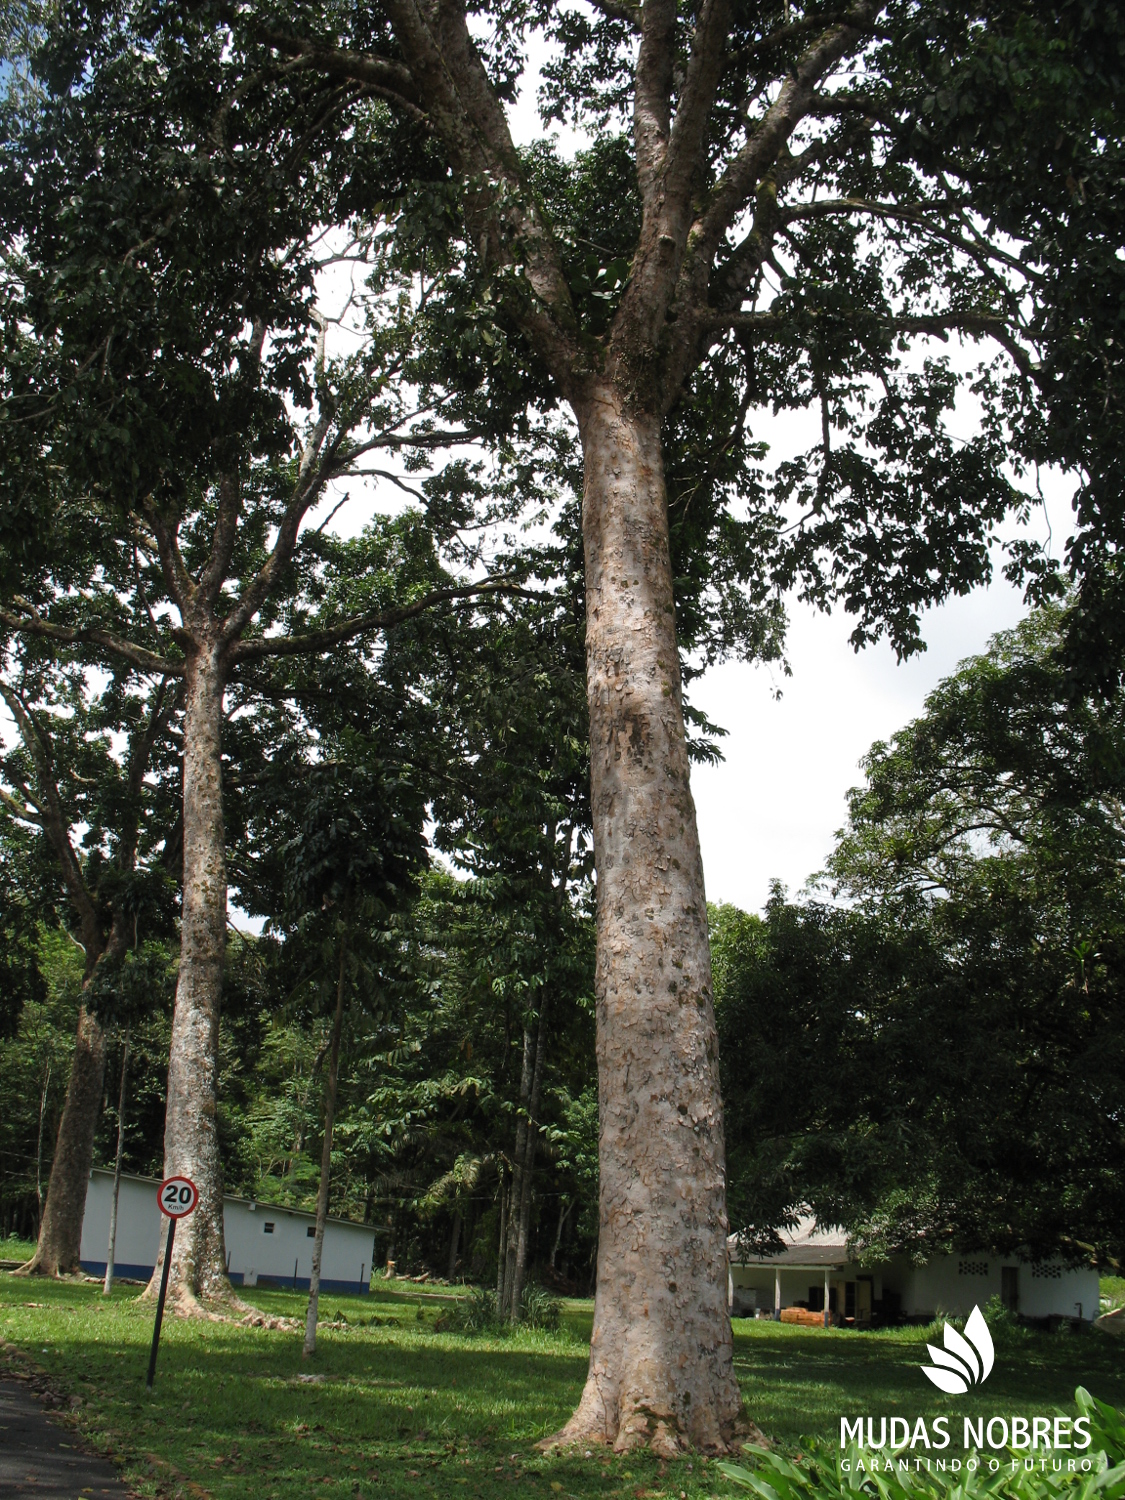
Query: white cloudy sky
[771, 808]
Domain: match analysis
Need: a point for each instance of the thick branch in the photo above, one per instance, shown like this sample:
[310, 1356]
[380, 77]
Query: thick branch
[652, 98]
[347, 630]
[358, 67]
[25, 813]
[619, 10]
[919, 214]
[222, 546]
[140, 754]
[311, 478]
[31, 624]
[796, 95]
[987, 325]
[177, 579]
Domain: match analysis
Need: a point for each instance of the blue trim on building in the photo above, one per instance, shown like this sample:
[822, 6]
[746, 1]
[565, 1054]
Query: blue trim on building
[286, 1284]
[130, 1273]
[280, 1283]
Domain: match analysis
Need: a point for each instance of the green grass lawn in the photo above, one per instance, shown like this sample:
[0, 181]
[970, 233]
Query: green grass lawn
[1113, 1290]
[14, 1248]
[398, 1409]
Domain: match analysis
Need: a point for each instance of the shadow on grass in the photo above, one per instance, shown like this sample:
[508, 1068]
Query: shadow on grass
[399, 1410]
[802, 1381]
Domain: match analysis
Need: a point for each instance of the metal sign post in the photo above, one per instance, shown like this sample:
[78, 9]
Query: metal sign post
[177, 1198]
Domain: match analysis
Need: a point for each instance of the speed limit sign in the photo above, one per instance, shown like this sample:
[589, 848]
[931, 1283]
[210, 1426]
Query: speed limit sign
[178, 1197]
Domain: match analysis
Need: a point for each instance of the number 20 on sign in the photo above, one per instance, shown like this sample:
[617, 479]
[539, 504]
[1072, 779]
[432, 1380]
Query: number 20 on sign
[177, 1198]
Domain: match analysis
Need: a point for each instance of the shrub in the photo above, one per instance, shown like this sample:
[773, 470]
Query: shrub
[538, 1308]
[475, 1313]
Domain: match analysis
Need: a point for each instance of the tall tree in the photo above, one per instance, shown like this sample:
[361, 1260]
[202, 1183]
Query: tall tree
[766, 221]
[350, 864]
[205, 420]
[513, 812]
[65, 774]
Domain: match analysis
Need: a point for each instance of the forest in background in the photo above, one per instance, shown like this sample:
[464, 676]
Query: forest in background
[947, 991]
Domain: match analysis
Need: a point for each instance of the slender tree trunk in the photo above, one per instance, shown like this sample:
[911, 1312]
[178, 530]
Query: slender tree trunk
[507, 1308]
[454, 1241]
[501, 1267]
[60, 1229]
[46, 1084]
[564, 1214]
[531, 1143]
[661, 1369]
[325, 1158]
[111, 1248]
[191, 1140]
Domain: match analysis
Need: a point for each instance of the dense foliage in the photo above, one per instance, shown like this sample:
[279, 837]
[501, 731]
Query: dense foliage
[956, 1021]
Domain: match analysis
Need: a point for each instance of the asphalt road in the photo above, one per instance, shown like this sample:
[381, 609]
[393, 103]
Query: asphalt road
[40, 1458]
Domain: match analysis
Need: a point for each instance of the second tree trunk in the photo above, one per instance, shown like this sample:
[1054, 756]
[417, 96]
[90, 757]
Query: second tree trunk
[325, 1160]
[191, 1136]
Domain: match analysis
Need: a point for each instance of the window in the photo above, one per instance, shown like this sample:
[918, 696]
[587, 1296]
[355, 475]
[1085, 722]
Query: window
[267, 1227]
[972, 1268]
[310, 1232]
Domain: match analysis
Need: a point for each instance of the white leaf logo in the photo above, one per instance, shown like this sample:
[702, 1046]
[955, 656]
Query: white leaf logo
[966, 1359]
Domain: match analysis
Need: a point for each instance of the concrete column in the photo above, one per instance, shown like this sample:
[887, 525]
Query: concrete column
[826, 1296]
[777, 1294]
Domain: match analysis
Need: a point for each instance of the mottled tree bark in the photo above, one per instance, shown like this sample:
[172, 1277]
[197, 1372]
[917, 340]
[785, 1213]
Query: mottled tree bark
[191, 1140]
[661, 1369]
[325, 1160]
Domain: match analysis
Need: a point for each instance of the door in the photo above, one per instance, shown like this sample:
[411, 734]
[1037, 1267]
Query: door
[1010, 1287]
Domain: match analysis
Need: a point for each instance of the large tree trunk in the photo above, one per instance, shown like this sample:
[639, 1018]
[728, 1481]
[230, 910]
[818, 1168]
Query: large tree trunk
[191, 1140]
[661, 1369]
[325, 1160]
[60, 1233]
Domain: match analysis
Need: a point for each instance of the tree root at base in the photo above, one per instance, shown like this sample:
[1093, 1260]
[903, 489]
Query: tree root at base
[662, 1439]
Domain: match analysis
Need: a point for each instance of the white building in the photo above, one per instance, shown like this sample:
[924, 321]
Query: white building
[815, 1268]
[266, 1245]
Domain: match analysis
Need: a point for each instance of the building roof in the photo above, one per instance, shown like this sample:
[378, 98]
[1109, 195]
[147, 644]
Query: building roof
[252, 1203]
[807, 1247]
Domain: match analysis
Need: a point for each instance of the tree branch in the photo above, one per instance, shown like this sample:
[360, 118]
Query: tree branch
[738, 183]
[25, 814]
[358, 67]
[32, 624]
[222, 545]
[619, 10]
[311, 479]
[988, 325]
[335, 635]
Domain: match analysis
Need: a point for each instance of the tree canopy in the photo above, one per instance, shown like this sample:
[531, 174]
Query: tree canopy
[956, 1023]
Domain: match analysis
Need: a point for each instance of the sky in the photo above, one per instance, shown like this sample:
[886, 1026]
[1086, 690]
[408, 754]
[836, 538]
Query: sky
[770, 809]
